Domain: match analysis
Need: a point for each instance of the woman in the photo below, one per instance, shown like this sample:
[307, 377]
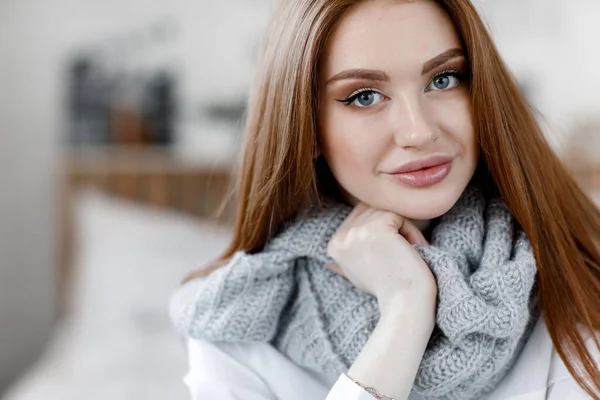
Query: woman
[387, 142]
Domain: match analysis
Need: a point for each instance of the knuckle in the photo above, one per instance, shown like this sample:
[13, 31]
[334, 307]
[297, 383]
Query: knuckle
[361, 233]
[335, 245]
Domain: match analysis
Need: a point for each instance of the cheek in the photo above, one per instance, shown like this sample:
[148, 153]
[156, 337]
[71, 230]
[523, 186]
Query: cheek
[347, 144]
[456, 122]
[468, 136]
[344, 159]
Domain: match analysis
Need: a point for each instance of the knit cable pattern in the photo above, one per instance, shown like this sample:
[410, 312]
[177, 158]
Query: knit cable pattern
[487, 304]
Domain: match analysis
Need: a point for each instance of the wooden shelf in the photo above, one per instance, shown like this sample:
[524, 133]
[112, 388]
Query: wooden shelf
[155, 177]
[101, 160]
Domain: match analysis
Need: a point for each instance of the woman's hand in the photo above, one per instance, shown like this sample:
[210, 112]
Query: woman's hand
[373, 250]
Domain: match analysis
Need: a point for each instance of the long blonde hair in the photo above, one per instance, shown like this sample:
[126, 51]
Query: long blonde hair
[280, 173]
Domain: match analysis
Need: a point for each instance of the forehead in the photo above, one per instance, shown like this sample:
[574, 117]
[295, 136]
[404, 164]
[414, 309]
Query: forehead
[382, 34]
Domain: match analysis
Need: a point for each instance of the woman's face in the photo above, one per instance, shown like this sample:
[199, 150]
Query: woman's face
[395, 121]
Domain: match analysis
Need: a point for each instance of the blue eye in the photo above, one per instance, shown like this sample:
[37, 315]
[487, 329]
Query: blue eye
[363, 98]
[444, 81]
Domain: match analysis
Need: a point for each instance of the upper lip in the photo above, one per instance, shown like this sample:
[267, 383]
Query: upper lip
[422, 163]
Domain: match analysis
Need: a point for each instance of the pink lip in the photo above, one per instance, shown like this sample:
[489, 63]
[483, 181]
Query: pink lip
[421, 164]
[424, 172]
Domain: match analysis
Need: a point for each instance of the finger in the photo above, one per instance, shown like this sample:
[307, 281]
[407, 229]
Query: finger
[411, 233]
[335, 268]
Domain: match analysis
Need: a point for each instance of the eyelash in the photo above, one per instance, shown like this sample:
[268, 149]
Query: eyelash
[460, 75]
[355, 95]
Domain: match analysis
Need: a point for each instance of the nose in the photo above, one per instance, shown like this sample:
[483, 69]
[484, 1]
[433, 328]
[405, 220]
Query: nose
[411, 128]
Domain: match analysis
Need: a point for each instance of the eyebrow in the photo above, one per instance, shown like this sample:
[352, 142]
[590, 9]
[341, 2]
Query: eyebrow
[441, 60]
[365, 74]
[375, 75]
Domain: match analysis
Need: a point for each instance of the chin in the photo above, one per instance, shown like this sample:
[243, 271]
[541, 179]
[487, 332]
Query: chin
[431, 211]
[425, 204]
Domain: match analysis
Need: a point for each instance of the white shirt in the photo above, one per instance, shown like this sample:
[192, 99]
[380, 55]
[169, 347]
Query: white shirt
[257, 371]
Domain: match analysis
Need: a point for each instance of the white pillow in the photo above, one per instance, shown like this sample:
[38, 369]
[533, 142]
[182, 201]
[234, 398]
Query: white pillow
[130, 258]
[117, 342]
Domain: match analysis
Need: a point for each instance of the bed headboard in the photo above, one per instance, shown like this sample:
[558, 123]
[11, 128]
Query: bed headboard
[156, 177]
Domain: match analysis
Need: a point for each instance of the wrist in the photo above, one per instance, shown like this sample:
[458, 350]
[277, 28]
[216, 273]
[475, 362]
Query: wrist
[391, 357]
[402, 308]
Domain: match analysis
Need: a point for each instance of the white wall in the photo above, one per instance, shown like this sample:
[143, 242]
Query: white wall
[35, 38]
[553, 42]
[26, 197]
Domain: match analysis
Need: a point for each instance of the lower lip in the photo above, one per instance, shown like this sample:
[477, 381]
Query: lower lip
[424, 177]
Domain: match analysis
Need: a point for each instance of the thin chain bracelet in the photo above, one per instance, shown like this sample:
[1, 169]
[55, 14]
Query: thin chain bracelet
[373, 392]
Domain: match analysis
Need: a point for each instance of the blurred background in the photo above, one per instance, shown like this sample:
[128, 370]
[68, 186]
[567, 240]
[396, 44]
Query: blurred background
[120, 122]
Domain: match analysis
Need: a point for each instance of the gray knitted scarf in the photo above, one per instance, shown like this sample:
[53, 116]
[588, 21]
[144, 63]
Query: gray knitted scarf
[485, 272]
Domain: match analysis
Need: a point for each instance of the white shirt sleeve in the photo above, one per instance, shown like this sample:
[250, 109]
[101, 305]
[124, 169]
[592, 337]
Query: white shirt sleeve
[561, 384]
[214, 374]
[217, 373]
[346, 389]
[566, 389]
[234, 373]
